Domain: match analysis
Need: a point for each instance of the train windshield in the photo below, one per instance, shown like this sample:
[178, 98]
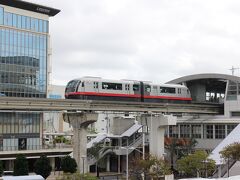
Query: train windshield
[71, 86]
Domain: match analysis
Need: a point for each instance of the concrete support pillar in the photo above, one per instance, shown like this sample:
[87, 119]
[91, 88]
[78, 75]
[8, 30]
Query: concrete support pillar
[119, 164]
[52, 163]
[80, 122]
[158, 124]
[108, 163]
[219, 171]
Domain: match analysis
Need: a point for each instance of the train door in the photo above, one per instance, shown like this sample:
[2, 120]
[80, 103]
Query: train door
[127, 88]
[82, 86]
[137, 90]
[96, 86]
[154, 90]
[147, 89]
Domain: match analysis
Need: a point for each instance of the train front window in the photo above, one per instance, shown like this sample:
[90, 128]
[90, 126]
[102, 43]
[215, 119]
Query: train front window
[71, 86]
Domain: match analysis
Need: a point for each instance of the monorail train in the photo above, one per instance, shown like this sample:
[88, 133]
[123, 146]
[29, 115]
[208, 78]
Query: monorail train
[93, 88]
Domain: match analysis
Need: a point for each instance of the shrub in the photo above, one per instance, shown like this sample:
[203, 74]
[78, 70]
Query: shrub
[1, 168]
[20, 166]
[68, 164]
[77, 176]
[42, 166]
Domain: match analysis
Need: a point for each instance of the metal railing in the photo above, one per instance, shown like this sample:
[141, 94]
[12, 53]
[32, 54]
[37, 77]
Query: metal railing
[34, 147]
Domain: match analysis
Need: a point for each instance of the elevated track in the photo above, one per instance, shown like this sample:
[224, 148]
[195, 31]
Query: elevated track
[41, 104]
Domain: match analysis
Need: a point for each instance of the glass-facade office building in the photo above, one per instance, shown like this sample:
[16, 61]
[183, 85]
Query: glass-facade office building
[24, 33]
[23, 55]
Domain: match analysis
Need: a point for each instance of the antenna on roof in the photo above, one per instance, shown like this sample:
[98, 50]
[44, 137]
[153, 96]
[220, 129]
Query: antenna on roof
[233, 69]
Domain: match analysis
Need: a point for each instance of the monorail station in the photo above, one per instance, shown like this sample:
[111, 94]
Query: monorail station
[205, 107]
[209, 88]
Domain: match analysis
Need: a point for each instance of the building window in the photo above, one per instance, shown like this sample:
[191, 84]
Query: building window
[184, 131]
[235, 113]
[173, 131]
[23, 22]
[230, 127]
[209, 131]
[22, 144]
[232, 91]
[196, 131]
[220, 131]
[1, 15]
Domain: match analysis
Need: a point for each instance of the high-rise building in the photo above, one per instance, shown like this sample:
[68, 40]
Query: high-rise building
[24, 69]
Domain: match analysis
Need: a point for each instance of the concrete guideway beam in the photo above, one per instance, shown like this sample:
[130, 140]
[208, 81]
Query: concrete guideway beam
[40, 104]
[80, 122]
[157, 125]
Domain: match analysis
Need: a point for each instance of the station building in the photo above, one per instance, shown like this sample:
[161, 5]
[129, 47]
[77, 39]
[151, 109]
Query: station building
[209, 130]
[24, 72]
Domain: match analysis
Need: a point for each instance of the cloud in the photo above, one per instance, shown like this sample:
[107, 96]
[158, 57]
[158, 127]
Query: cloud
[146, 40]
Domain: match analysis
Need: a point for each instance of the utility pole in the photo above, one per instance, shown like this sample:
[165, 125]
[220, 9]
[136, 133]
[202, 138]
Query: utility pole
[233, 69]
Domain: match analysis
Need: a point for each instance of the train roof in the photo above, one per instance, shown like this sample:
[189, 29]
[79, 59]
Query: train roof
[91, 78]
[170, 85]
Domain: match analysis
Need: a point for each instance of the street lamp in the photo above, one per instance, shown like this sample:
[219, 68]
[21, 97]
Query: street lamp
[127, 148]
[83, 159]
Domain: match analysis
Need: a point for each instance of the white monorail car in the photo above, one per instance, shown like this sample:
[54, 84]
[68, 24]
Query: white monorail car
[92, 88]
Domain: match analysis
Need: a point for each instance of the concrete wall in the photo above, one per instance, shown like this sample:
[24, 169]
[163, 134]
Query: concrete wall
[231, 105]
[120, 124]
[198, 92]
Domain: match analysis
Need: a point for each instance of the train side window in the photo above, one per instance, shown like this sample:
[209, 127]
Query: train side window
[82, 84]
[126, 86]
[111, 86]
[136, 87]
[167, 90]
[147, 88]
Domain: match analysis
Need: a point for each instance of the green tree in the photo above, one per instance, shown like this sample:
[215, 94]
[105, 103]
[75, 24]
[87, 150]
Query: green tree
[151, 167]
[42, 166]
[196, 164]
[179, 147]
[159, 168]
[20, 166]
[231, 151]
[1, 169]
[68, 164]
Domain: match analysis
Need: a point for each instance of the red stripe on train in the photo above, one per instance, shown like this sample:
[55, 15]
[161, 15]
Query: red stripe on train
[128, 95]
[168, 97]
[104, 94]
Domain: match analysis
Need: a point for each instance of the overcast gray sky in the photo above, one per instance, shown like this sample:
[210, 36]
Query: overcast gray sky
[155, 40]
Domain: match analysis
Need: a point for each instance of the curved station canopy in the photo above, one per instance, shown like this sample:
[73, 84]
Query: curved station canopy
[209, 87]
